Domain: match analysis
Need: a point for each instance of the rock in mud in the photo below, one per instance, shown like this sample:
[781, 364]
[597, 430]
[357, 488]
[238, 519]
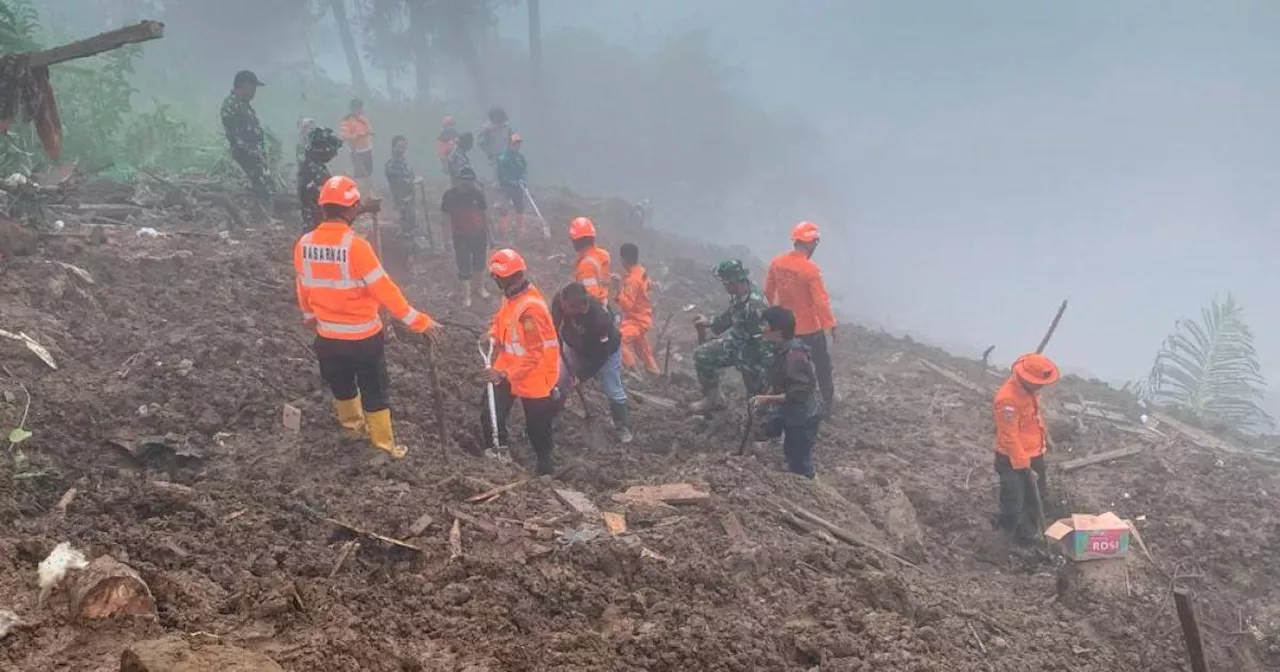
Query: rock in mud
[16, 240]
[175, 654]
[456, 593]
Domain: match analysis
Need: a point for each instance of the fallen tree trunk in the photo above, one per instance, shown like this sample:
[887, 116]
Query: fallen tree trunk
[112, 39]
[107, 589]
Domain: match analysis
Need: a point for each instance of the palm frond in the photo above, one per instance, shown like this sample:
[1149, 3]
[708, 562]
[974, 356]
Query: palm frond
[1210, 369]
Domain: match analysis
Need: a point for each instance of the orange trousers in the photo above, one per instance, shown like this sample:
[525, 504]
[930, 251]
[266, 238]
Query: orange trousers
[635, 346]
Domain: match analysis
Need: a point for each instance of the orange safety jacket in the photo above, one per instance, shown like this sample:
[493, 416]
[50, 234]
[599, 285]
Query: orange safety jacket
[1019, 427]
[357, 132]
[341, 283]
[525, 340]
[592, 270]
[795, 283]
[633, 298]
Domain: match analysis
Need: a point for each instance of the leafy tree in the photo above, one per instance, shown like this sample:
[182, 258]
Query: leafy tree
[1210, 370]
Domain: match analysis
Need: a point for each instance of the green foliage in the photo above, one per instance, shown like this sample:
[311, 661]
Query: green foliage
[1210, 370]
[19, 24]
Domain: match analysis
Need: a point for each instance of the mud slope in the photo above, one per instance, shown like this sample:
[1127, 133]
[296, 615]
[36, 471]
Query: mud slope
[186, 347]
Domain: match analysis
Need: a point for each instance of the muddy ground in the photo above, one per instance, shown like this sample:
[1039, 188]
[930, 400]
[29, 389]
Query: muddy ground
[184, 348]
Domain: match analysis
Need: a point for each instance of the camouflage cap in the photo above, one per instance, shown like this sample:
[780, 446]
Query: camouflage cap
[731, 270]
[320, 139]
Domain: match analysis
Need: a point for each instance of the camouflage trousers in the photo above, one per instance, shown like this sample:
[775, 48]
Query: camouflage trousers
[254, 166]
[723, 353]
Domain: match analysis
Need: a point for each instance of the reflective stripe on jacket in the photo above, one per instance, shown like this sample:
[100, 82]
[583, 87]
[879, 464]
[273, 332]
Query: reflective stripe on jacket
[633, 298]
[795, 283]
[526, 344]
[1019, 427]
[341, 283]
[592, 270]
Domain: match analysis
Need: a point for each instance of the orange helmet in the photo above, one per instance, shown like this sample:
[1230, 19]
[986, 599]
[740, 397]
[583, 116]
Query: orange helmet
[506, 262]
[1036, 369]
[339, 190]
[582, 227]
[448, 121]
[804, 232]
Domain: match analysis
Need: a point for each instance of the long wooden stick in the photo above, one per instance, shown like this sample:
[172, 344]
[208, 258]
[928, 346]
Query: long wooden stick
[1053, 326]
[442, 425]
[113, 39]
[1190, 630]
[842, 534]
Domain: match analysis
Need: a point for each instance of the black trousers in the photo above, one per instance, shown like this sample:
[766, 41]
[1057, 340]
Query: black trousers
[821, 356]
[539, 420]
[797, 442]
[1017, 505]
[355, 367]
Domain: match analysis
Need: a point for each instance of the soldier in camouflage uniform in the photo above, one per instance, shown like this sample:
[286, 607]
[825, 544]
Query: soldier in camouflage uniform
[322, 145]
[401, 180]
[244, 132]
[739, 343]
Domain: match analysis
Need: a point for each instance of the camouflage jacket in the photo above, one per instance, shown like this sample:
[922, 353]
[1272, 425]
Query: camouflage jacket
[241, 125]
[741, 323]
[312, 175]
[400, 178]
[457, 160]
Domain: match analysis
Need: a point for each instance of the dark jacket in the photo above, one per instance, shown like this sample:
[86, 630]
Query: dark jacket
[593, 336]
[794, 375]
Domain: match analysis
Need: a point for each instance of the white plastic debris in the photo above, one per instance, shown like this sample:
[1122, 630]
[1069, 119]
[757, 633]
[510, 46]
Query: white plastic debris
[31, 344]
[148, 232]
[16, 180]
[53, 569]
[8, 619]
[59, 225]
[144, 411]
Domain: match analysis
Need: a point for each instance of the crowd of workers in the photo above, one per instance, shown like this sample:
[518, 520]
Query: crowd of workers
[592, 328]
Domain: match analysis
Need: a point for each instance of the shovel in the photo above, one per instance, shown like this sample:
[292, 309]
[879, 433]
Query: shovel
[495, 451]
[546, 228]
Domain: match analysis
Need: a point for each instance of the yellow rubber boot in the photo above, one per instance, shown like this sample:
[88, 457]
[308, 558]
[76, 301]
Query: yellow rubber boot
[350, 414]
[382, 436]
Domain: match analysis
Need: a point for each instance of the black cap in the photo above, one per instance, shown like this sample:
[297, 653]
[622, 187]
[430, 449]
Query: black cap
[467, 174]
[247, 77]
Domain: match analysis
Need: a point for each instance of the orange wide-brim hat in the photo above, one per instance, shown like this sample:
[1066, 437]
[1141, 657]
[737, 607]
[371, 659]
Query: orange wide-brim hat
[1035, 369]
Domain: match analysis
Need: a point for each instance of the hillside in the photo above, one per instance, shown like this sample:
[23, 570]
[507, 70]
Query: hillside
[174, 364]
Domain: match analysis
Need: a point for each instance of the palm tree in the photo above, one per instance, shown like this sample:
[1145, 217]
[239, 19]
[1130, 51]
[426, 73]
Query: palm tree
[1210, 369]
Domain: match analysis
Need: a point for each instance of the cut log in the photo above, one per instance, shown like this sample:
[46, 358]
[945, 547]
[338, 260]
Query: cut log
[112, 39]
[578, 502]
[669, 493]
[1097, 458]
[110, 589]
[175, 654]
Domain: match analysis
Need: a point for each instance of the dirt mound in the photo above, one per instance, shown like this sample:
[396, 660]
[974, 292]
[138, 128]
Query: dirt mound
[176, 355]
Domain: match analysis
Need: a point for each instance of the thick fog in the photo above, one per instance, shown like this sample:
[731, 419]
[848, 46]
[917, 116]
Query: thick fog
[971, 163]
[997, 157]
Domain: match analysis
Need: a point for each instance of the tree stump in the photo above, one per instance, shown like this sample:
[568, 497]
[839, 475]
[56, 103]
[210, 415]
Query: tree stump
[110, 589]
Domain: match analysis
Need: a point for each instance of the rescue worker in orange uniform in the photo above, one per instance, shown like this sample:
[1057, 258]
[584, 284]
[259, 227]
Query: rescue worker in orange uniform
[795, 283]
[527, 366]
[341, 284]
[1021, 442]
[592, 265]
[637, 311]
[357, 132]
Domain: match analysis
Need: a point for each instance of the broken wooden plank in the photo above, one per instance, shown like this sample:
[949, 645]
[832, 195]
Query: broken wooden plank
[668, 493]
[419, 526]
[343, 553]
[578, 502]
[1097, 458]
[1092, 410]
[112, 39]
[372, 535]
[956, 378]
[493, 493]
[455, 540]
[654, 400]
[65, 501]
[733, 527]
[616, 523]
[482, 525]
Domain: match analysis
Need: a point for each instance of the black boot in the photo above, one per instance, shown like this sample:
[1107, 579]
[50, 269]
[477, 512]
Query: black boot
[618, 410]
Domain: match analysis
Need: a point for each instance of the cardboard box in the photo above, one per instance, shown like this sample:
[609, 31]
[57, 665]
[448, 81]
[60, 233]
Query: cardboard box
[1087, 537]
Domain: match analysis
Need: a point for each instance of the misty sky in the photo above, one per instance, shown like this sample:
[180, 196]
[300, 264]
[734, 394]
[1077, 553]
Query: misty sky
[1002, 156]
